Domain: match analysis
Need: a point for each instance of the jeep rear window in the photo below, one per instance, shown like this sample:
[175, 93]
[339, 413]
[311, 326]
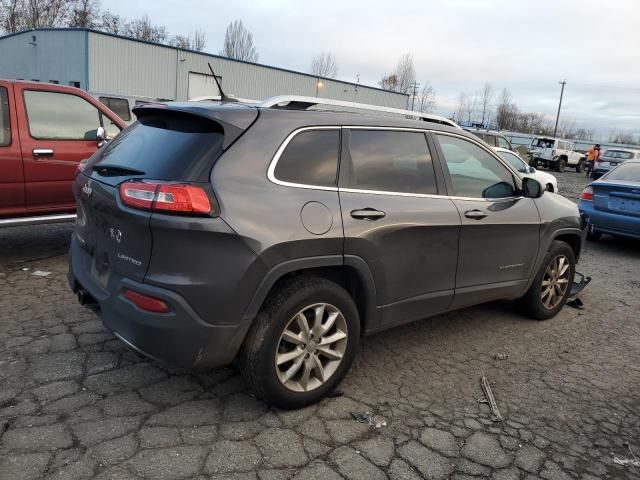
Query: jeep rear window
[166, 146]
[310, 158]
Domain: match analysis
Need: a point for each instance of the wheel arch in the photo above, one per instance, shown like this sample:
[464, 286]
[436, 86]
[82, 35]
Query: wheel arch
[350, 272]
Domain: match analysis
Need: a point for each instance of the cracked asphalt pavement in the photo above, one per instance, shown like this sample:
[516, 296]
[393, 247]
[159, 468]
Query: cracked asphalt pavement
[76, 404]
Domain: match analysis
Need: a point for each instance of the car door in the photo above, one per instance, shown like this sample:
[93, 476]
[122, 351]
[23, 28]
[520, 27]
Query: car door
[11, 175]
[499, 237]
[58, 131]
[395, 220]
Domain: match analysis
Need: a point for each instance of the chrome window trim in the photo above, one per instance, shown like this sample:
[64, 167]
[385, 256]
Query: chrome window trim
[272, 166]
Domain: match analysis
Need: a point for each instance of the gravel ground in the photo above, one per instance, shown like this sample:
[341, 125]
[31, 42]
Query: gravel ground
[75, 404]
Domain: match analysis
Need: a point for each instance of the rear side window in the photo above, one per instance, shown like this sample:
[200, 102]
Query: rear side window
[119, 106]
[390, 161]
[165, 146]
[502, 143]
[474, 172]
[5, 125]
[60, 116]
[310, 158]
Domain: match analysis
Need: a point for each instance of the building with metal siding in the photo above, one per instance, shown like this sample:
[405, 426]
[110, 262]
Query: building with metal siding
[110, 64]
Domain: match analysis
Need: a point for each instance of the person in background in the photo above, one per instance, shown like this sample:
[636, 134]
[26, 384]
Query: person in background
[593, 155]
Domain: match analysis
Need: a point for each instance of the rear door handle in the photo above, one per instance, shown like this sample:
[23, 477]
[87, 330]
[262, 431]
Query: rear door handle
[475, 214]
[42, 152]
[367, 214]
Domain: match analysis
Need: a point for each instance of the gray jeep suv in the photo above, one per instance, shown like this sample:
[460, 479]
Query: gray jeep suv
[278, 236]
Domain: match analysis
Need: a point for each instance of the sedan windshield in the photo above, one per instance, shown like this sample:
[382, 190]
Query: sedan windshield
[628, 172]
[514, 161]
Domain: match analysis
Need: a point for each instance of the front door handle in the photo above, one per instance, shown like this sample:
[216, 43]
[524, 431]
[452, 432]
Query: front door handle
[475, 214]
[367, 214]
[42, 152]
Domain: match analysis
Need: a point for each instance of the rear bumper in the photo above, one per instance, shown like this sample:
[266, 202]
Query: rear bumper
[609, 222]
[179, 336]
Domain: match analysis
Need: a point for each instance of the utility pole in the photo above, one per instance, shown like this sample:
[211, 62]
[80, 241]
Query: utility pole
[415, 86]
[555, 129]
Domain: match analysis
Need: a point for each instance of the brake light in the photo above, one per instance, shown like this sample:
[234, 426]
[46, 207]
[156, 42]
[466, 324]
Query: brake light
[165, 197]
[145, 302]
[587, 194]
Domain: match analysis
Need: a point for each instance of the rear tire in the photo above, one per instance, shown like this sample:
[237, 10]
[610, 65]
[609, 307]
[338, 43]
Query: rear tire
[287, 309]
[538, 304]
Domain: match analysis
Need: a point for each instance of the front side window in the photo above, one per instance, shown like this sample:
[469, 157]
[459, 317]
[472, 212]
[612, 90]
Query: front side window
[5, 125]
[502, 143]
[390, 161]
[310, 158]
[60, 116]
[474, 171]
[119, 106]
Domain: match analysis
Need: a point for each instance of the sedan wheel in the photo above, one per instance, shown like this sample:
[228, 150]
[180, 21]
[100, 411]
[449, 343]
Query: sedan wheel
[555, 282]
[311, 347]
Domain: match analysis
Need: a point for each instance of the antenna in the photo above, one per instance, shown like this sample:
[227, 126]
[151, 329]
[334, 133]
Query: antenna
[223, 97]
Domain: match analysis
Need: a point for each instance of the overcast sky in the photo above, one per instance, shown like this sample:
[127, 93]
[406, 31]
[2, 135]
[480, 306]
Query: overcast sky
[527, 46]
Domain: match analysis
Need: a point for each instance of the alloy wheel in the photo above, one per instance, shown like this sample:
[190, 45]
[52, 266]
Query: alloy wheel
[311, 347]
[555, 282]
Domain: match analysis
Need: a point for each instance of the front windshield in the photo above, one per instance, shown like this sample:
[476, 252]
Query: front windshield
[542, 143]
[627, 172]
[514, 161]
[621, 154]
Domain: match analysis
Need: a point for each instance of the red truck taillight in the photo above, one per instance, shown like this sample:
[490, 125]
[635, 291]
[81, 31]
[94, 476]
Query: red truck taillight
[165, 197]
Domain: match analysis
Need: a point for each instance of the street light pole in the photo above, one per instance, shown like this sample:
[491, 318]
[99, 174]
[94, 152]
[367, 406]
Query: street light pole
[555, 129]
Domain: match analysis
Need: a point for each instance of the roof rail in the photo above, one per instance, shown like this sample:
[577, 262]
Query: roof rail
[298, 102]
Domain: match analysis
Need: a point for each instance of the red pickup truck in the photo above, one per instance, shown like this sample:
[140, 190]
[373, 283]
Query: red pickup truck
[46, 130]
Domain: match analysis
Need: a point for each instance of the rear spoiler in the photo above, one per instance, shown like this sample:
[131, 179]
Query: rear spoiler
[234, 119]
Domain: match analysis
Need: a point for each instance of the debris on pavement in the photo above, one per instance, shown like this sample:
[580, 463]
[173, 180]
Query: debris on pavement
[632, 462]
[490, 400]
[576, 303]
[41, 273]
[370, 419]
[500, 356]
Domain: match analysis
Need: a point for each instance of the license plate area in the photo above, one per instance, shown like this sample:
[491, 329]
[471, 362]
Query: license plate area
[622, 204]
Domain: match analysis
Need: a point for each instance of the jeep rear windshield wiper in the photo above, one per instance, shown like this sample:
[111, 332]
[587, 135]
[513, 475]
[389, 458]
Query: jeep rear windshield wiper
[106, 170]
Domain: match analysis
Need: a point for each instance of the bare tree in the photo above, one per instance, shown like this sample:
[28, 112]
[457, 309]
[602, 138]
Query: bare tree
[85, 14]
[402, 78]
[112, 23]
[324, 65]
[470, 107]
[621, 137]
[583, 134]
[486, 97]
[506, 111]
[12, 15]
[193, 41]
[142, 29]
[426, 101]
[238, 43]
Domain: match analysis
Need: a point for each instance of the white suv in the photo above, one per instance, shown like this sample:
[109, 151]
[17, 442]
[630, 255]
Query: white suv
[556, 154]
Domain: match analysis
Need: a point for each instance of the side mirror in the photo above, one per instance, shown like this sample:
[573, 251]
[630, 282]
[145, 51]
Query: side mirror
[532, 169]
[101, 136]
[531, 188]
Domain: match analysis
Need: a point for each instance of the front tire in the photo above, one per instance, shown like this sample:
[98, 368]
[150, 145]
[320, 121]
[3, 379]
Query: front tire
[560, 163]
[551, 287]
[302, 342]
[580, 166]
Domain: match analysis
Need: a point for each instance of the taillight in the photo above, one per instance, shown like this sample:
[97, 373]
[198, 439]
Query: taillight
[145, 302]
[587, 194]
[165, 197]
[81, 165]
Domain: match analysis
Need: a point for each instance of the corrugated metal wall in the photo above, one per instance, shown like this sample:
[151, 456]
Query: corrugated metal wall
[120, 66]
[126, 67]
[55, 55]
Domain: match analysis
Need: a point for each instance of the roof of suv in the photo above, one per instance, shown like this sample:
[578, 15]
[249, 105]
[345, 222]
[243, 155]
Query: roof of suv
[242, 115]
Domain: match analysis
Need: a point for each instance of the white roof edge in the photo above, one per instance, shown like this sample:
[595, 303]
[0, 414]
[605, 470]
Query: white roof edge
[311, 101]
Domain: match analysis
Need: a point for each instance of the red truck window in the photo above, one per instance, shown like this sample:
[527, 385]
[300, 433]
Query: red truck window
[5, 125]
[120, 106]
[60, 116]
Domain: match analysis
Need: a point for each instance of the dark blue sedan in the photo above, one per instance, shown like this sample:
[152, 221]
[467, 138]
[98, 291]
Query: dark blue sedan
[612, 203]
